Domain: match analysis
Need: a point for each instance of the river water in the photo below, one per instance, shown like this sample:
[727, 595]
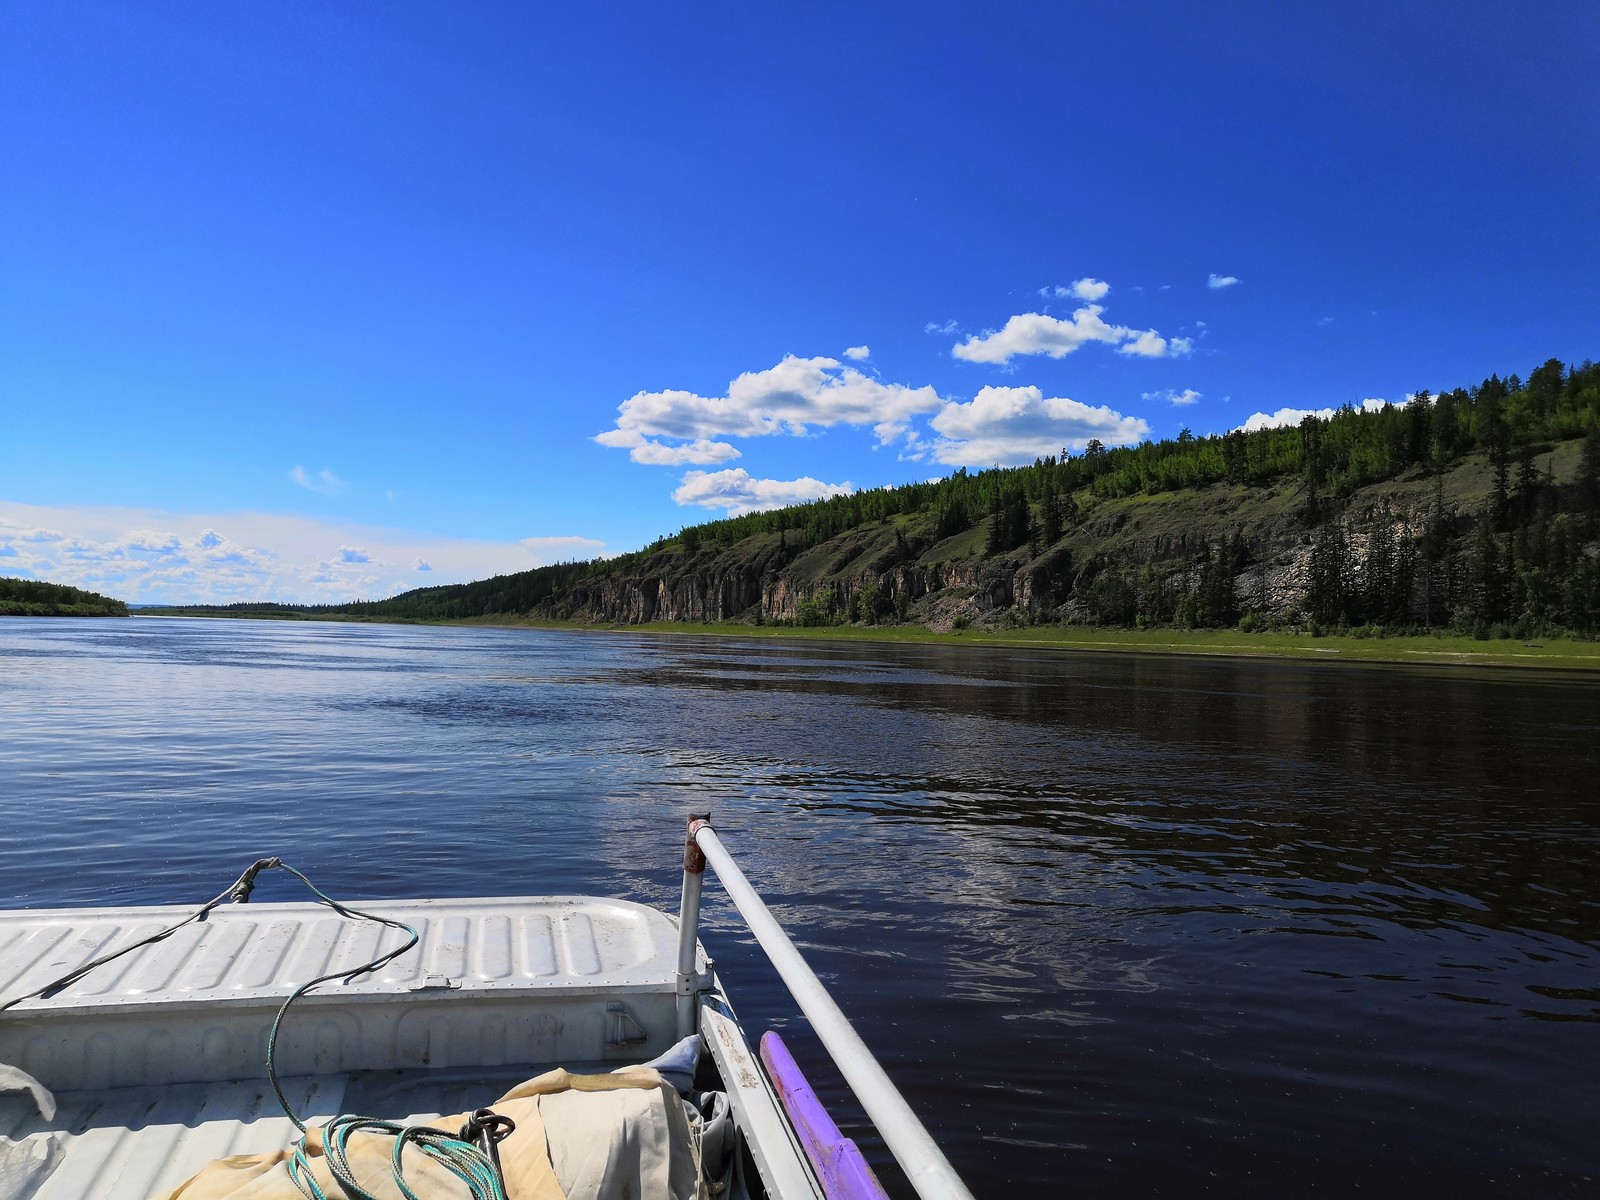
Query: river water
[1118, 925]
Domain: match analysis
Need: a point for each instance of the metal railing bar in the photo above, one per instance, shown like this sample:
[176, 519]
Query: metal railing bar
[914, 1149]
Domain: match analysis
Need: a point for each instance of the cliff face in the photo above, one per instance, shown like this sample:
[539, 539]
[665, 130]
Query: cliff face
[902, 570]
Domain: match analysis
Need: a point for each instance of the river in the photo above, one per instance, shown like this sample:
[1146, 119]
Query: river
[1118, 925]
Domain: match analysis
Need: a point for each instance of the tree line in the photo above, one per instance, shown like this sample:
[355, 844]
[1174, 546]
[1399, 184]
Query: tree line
[1526, 563]
[36, 598]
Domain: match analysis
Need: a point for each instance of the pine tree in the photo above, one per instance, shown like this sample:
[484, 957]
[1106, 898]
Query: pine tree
[1235, 457]
[1486, 577]
[1328, 577]
[1378, 576]
[1589, 479]
[1050, 518]
[1527, 483]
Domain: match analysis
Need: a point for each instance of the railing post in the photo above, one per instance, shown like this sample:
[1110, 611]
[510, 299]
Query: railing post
[694, 870]
[925, 1165]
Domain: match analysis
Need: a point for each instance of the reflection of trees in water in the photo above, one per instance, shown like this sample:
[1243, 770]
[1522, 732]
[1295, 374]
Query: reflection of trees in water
[1066, 822]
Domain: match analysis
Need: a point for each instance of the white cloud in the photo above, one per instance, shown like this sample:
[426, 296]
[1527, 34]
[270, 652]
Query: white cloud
[1015, 425]
[643, 450]
[1215, 281]
[151, 556]
[735, 491]
[1086, 288]
[945, 328]
[1323, 322]
[1179, 399]
[1150, 344]
[323, 481]
[1293, 416]
[858, 352]
[793, 397]
[1038, 333]
[1284, 416]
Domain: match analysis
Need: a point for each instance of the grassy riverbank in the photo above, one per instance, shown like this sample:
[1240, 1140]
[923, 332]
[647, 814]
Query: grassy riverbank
[1553, 653]
[1564, 654]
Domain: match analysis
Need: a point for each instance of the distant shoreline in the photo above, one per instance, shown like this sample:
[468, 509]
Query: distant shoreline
[1553, 654]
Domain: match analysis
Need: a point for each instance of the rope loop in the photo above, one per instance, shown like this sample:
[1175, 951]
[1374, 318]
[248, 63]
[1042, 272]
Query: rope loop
[478, 1168]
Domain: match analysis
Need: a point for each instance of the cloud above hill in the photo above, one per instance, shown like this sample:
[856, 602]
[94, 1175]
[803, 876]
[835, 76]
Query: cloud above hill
[1056, 337]
[151, 556]
[801, 396]
[795, 397]
[1293, 416]
[737, 492]
[1015, 425]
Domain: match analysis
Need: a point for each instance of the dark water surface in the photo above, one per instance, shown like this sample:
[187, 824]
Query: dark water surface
[1119, 926]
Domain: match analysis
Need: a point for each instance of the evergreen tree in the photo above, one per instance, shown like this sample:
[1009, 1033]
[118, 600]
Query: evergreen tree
[1486, 579]
[952, 518]
[1589, 479]
[1527, 484]
[1050, 518]
[1328, 576]
[1235, 457]
[1418, 428]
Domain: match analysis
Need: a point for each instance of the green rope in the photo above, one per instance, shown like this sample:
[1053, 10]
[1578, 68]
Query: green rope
[378, 963]
[464, 1160]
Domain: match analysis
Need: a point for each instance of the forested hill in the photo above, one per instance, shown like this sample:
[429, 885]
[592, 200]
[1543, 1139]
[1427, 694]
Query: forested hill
[33, 598]
[1475, 508]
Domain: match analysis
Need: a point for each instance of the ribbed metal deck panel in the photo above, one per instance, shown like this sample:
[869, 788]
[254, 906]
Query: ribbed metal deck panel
[260, 951]
[157, 1059]
[133, 1143]
[492, 983]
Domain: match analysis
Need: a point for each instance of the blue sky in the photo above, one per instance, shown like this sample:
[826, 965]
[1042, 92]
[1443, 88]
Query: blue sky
[314, 301]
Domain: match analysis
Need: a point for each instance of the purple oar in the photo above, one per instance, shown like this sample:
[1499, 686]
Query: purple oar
[837, 1161]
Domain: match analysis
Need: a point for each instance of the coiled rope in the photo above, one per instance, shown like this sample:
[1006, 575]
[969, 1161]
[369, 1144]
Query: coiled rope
[477, 1168]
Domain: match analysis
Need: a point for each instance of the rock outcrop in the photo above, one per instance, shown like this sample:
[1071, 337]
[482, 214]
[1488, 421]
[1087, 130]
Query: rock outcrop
[901, 570]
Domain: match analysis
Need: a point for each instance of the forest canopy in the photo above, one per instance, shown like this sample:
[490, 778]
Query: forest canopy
[35, 598]
[1522, 559]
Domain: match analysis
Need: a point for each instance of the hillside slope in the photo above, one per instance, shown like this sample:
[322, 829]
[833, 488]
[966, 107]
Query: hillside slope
[1478, 509]
[35, 598]
[1125, 560]
[1424, 548]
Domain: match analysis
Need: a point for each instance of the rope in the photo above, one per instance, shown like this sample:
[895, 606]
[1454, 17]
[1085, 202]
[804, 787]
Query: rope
[381, 961]
[461, 1158]
[238, 892]
[477, 1168]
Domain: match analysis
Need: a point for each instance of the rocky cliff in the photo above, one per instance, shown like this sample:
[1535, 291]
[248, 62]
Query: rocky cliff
[901, 570]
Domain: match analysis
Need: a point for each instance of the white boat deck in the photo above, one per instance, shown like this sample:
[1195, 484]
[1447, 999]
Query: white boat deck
[197, 1006]
[250, 951]
[157, 1060]
[138, 1142]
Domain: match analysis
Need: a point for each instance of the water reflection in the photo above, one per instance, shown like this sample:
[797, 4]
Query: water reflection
[1144, 924]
